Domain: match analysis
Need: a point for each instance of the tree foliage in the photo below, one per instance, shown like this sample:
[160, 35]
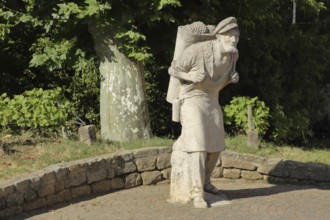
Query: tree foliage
[46, 44]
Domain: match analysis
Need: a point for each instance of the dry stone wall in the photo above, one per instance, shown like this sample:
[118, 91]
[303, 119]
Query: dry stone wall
[67, 181]
[72, 180]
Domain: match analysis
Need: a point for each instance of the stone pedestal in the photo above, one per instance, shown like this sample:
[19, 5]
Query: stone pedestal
[87, 134]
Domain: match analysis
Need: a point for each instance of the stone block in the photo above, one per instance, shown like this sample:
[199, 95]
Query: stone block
[251, 175]
[146, 164]
[22, 184]
[30, 195]
[47, 178]
[297, 170]
[6, 190]
[232, 173]
[110, 172]
[80, 191]
[252, 158]
[38, 203]
[61, 173]
[124, 168]
[51, 200]
[132, 180]
[11, 211]
[116, 183]
[166, 173]
[151, 177]
[318, 172]
[64, 196]
[163, 161]
[15, 199]
[274, 167]
[2, 203]
[96, 176]
[35, 182]
[100, 187]
[217, 172]
[228, 162]
[75, 179]
[46, 190]
[96, 164]
[145, 152]
[87, 134]
[59, 185]
[79, 166]
[165, 150]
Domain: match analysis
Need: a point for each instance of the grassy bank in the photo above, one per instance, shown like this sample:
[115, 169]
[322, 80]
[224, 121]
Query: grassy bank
[34, 155]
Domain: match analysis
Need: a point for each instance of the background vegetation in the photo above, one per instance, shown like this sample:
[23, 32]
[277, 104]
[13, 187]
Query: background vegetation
[46, 44]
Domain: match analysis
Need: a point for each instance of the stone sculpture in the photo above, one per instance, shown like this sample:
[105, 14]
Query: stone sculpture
[204, 63]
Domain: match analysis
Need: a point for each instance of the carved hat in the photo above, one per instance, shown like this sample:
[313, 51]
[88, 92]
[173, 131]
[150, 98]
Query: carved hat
[226, 25]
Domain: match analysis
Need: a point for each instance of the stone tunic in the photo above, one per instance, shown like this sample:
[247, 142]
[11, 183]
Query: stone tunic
[201, 114]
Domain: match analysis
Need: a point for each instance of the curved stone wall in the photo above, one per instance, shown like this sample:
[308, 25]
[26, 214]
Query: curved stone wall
[72, 180]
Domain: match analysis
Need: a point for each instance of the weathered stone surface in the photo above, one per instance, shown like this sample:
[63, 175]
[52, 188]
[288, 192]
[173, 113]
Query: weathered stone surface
[11, 211]
[6, 190]
[15, 199]
[217, 172]
[318, 172]
[87, 134]
[229, 154]
[126, 156]
[274, 167]
[78, 166]
[146, 164]
[35, 182]
[51, 200]
[59, 185]
[22, 184]
[252, 158]
[48, 178]
[151, 177]
[165, 150]
[2, 203]
[30, 195]
[132, 180]
[60, 172]
[80, 191]
[75, 179]
[39, 203]
[116, 183]
[64, 196]
[163, 161]
[124, 168]
[236, 163]
[96, 176]
[103, 186]
[110, 172]
[145, 152]
[96, 164]
[297, 170]
[232, 173]
[46, 190]
[251, 175]
[166, 173]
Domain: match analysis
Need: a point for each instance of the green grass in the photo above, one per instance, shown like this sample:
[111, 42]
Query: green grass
[266, 149]
[38, 155]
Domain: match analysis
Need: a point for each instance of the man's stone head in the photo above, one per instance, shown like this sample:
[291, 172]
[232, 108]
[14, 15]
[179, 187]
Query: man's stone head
[227, 32]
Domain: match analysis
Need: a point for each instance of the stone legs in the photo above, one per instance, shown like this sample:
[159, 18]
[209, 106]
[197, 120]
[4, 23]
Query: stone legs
[190, 172]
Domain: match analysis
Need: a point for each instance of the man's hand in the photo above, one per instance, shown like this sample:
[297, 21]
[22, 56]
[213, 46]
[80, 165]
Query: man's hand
[234, 78]
[196, 77]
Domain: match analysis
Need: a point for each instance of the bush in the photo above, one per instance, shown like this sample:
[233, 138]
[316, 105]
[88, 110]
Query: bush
[236, 113]
[35, 109]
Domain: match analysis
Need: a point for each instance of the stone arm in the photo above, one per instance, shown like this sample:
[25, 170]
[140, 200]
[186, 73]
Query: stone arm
[191, 76]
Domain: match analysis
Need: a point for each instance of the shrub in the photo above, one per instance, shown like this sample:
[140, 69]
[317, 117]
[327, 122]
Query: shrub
[34, 109]
[236, 114]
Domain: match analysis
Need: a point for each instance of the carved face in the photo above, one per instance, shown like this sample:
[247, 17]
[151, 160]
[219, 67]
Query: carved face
[230, 38]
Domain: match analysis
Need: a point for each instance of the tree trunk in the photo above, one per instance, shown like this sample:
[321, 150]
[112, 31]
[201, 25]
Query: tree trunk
[123, 106]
